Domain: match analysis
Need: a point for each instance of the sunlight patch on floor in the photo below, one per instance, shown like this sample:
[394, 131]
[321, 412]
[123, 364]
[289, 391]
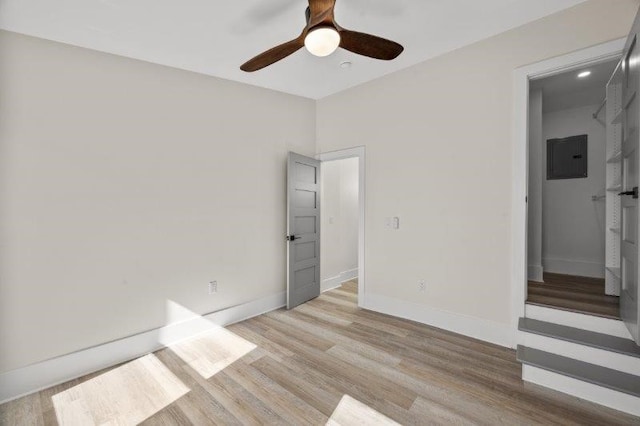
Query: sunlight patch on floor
[125, 395]
[181, 322]
[212, 348]
[350, 411]
[212, 351]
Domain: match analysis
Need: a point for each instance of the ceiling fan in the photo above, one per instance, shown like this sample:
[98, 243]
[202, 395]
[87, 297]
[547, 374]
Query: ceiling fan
[322, 36]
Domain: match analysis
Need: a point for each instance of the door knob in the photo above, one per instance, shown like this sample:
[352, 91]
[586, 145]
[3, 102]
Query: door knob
[292, 238]
[634, 192]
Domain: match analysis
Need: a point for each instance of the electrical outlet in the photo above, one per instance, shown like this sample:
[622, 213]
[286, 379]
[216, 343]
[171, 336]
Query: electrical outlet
[392, 223]
[213, 287]
[422, 286]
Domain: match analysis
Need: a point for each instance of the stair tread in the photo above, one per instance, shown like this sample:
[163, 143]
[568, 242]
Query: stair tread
[580, 336]
[579, 308]
[591, 373]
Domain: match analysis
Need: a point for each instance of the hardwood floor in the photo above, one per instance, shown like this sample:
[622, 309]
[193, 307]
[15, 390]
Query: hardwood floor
[576, 294]
[325, 361]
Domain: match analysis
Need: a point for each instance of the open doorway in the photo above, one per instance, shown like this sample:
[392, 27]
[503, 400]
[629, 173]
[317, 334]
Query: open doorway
[619, 113]
[342, 223]
[339, 225]
[571, 194]
[325, 220]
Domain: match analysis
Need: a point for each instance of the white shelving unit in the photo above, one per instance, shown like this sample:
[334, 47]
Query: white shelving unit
[615, 187]
[615, 158]
[614, 183]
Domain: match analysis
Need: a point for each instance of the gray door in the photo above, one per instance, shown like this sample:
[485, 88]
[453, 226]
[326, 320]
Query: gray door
[303, 229]
[629, 293]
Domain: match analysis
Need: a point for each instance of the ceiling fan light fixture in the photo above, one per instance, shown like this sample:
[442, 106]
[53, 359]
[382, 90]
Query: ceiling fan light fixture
[322, 36]
[322, 41]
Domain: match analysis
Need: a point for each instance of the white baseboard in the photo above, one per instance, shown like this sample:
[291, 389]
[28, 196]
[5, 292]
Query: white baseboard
[588, 391]
[608, 359]
[573, 267]
[576, 320]
[535, 273]
[349, 275]
[334, 282]
[477, 328]
[330, 283]
[35, 377]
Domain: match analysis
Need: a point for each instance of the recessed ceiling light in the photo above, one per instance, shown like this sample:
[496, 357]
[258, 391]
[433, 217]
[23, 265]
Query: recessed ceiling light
[584, 74]
[345, 64]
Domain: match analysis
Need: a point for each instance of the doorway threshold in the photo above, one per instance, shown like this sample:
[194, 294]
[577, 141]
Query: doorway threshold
[584, 295]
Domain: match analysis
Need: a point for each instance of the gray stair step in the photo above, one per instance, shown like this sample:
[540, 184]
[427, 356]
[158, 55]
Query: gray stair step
[582, 337]
[595, 374]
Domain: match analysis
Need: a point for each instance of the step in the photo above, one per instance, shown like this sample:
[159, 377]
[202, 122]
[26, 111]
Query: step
[584, 390]
[614, 327]
[584, 371]
[583, 337]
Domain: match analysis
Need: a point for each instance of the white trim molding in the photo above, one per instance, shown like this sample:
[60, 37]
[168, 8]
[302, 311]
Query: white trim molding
[520, 137]
[335, 282]
[477, 328]
[35, 377]
[535, 273]
[574, 267]
[349, 275]
[330, 283]
[360, 153]
[594, 393]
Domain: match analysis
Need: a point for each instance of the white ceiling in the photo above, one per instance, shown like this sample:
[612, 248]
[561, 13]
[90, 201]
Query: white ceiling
[566, 90]
[215, 37]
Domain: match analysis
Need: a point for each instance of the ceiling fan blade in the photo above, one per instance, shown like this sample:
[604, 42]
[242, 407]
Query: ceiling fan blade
[319, 18]
[319, 6]
[273, 55]
[369, 45]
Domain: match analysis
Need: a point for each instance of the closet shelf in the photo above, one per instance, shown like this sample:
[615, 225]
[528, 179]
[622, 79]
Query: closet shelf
[629, 136]
[615, 271]
[615, 187]
[617, 119]
[630, 99]
[615, 157]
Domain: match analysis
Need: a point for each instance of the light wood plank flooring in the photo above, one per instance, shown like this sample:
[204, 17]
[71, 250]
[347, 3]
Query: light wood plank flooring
[328, 361]
[577, 294]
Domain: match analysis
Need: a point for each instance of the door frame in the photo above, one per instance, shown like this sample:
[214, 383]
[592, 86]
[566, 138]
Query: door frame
[359, 153]
[520, 161]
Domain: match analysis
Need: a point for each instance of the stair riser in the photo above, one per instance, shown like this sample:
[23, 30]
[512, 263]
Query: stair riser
[573, 319]
[578, 388]
[612, 360]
